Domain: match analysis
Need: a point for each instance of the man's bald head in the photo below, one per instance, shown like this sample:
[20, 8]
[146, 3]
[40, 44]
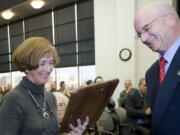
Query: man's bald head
[158, 26]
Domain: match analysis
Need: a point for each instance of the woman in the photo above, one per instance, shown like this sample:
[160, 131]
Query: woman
[28, 109]
[62, 102]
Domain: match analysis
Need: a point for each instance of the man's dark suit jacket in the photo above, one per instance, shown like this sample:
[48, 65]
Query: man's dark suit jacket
[165, 100]
[122, 97]
[136, 107]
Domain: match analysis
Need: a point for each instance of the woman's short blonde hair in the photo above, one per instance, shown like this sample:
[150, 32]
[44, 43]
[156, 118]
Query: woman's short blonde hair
[27, 54]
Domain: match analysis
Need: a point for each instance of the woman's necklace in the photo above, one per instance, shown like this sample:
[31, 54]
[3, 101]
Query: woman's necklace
[43, 110]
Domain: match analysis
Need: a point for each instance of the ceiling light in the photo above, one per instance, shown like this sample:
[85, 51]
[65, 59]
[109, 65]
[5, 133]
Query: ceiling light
[37, 4]
[7, 14]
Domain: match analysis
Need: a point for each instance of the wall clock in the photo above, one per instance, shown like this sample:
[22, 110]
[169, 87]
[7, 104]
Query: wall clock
[125, 54]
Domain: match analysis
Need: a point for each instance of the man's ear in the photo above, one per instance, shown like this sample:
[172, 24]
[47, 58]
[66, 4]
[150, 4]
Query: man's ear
[171, 19]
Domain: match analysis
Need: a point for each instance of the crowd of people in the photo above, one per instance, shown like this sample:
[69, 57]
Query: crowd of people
[135, 102]
[4, 89]
[62, 96]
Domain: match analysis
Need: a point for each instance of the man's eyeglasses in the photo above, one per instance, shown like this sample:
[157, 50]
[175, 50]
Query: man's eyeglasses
[146, 28]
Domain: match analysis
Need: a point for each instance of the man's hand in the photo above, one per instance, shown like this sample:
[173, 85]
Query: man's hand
[128, 90]
[148, 111]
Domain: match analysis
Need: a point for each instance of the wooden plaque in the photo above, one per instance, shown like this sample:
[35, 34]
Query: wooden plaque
[88, 101]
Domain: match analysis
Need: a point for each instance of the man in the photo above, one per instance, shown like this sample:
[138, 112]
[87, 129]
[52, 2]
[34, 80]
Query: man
[89, 82]
[111, 104]
[158, 26]
[1, 93]
[53, 87]
[138, 110]
[7, 88]
[123, 94]
[64, 89]
[98, 79]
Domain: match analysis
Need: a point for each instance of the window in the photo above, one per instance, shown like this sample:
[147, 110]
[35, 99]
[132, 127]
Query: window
[16, 37]
[70, 76]
[71, 30]
[4, 51]
[87, 73]
[39, 26]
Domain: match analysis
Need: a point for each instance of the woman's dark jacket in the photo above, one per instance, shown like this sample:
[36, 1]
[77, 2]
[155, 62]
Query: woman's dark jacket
[19, 115]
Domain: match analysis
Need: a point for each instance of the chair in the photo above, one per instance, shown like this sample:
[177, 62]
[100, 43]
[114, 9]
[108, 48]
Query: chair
[105, 124]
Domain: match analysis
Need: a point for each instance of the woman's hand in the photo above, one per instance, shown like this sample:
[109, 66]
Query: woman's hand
[80, 127]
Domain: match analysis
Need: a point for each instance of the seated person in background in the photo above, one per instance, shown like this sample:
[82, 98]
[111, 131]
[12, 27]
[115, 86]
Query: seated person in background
[62, 102]
[111, 104]
[138, 110]
[98, 79]
[1, 95]
[53, 87]
[123, 94]
[7, 88]
[89, 82]
[64, 89]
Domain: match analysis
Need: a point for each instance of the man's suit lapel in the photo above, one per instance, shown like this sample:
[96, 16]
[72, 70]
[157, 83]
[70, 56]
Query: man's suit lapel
[166, 91]
[154, 83]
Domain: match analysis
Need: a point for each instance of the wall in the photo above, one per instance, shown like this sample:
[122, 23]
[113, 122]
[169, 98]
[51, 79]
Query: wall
[113, 31]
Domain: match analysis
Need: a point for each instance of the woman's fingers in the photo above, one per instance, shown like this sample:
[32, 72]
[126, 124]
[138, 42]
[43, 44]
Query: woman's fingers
[80, 128]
